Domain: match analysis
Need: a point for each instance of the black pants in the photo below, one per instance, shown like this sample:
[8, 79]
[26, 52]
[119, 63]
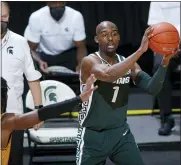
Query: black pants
[165, 95]
[66, 59]
[16, 154]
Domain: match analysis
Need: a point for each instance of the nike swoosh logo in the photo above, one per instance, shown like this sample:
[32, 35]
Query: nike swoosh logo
[125, 132]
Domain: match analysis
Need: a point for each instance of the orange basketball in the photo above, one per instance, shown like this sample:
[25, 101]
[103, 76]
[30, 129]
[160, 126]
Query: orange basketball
[165, 38]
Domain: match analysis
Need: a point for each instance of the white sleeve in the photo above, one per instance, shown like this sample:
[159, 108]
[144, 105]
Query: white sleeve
[33, 30]
[155, 13]
[29, 69]
[79, 33]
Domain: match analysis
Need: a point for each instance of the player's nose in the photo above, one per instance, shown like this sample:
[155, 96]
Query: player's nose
[110, 38]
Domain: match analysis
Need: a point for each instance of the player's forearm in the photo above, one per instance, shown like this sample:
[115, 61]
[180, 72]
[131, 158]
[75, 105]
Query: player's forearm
[54, 110]
[118, 70]
[36, 91]
[151, 84]
[28, 120]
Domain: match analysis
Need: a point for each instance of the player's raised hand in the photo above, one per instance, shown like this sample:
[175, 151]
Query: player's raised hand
[88, 88]
[166, 58]
[145, 40]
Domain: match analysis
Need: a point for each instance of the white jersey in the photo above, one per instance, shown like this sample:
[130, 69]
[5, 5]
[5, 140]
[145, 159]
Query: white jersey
[16, 61]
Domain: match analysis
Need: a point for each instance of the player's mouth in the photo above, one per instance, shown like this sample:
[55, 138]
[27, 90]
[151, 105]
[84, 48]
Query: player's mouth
[110, 46]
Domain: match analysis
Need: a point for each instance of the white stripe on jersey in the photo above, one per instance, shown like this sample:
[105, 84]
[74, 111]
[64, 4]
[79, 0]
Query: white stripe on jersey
[80, 145]
[85, 108]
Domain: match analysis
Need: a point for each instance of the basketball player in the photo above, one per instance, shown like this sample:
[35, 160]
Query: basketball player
[11, 121]
[103, 130]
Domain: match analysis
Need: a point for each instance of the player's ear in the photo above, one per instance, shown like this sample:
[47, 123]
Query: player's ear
[96, 39]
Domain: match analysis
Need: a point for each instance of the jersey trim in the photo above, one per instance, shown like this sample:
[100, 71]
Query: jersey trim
[83, 113]
[80, 145]
[120, 58]
[5, 39]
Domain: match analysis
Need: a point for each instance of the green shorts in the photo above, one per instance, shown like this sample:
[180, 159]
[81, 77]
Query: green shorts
[94, 147]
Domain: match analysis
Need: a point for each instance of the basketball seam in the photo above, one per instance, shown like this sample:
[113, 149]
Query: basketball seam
[164, 43]
[161, 33]
[154, 47]
[164, 32]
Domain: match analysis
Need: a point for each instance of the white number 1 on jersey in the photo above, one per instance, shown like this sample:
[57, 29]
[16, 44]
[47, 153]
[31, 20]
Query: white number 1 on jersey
[116, 90]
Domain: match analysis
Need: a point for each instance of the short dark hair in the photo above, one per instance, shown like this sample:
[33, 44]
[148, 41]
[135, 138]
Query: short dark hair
[4, 95]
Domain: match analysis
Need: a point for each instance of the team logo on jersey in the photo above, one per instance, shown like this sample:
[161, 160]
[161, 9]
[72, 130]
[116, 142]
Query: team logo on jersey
[10, 50]
[66, 29]
[122, 80]
[50, 94]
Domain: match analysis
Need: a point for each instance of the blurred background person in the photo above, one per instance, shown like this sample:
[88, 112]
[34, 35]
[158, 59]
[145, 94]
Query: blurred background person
[56, 35]
[16, 61]
[166, 12]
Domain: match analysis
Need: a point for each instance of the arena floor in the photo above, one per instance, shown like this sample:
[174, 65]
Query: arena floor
[149, 157]
[155, 150]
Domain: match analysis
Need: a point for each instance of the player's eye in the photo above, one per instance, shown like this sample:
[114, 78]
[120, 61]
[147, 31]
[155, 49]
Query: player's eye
[104, 34]
[114, 33]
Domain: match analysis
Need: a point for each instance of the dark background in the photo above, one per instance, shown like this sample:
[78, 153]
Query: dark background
[130, 17]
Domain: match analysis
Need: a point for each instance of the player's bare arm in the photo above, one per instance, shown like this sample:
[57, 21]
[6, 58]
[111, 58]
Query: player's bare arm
[10, 122]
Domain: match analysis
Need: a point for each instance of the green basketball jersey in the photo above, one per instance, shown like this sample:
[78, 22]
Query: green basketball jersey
[107, 106]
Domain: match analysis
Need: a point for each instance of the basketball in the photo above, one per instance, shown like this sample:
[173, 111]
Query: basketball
[165, 38]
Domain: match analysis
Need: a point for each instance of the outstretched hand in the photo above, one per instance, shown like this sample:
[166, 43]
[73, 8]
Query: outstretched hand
[88, 88]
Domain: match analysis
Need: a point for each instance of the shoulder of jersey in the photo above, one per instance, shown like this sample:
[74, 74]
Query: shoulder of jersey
[121, 56]
[92, 55]
[17, 37]
[40, 12]
[95, 55]
[73, 11]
